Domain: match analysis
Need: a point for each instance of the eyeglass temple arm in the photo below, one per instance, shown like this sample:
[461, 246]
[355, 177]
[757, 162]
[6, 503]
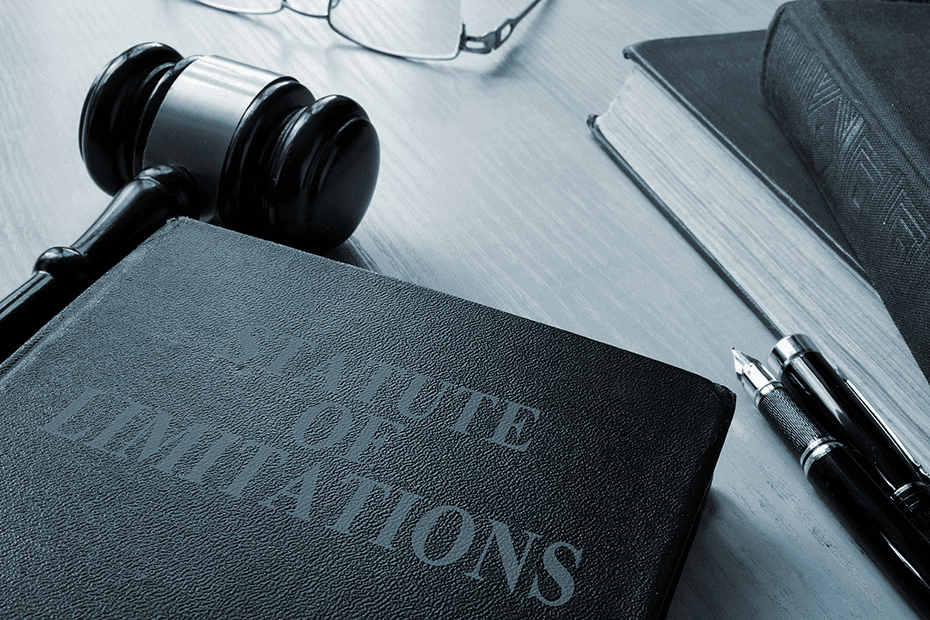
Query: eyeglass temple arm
[491, 41]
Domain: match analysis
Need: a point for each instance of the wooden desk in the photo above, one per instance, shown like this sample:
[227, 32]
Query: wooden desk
[491, 189]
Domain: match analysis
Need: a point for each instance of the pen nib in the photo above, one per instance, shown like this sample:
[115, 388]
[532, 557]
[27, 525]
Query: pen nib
[740, 361]
[753, 375]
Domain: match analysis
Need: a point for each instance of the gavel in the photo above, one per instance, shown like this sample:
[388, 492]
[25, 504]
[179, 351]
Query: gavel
[207, 138]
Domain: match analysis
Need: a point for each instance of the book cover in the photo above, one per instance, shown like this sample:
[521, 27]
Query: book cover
[716, 77]
[849, 84]
[713, 202]
[225, 427]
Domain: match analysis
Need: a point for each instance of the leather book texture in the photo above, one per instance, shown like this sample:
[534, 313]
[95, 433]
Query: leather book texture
[849, 84]
[225, 427]
[716, 77]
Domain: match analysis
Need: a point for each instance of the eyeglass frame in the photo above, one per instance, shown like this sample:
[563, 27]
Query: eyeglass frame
[489, 41]
[483, 44]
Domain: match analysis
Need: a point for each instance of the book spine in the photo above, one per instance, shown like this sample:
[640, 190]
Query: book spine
[873, 189]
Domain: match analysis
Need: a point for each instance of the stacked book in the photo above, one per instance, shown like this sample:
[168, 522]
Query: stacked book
[692, 127]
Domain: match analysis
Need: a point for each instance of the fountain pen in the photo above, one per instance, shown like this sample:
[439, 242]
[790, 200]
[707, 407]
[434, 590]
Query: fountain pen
[833, 402]
[892, 541]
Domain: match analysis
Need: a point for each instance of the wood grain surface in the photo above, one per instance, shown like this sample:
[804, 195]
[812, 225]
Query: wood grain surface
[491, 189]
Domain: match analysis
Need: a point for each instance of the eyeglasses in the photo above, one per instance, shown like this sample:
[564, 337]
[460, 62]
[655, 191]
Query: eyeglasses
[421, 29]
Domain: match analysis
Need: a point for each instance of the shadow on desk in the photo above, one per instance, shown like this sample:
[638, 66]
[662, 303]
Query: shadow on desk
[718, 584]
[352, 253]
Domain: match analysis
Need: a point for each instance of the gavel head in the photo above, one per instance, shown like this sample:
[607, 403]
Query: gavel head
[266, 156]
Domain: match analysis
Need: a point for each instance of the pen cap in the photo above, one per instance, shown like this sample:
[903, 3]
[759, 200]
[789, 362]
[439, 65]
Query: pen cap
[787, 349]
[827, 397]
[832, 401]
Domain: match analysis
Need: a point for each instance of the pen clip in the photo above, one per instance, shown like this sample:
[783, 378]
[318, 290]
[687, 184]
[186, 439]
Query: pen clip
[882, 424]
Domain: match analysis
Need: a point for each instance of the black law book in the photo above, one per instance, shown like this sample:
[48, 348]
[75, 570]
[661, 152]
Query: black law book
[689, 128]
[716, 77]
[849, 83]
[224, 427]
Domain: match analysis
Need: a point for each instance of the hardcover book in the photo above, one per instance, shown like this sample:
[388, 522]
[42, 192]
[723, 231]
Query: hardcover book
[224, 427]
[849, 84]
[716, 77]
[681, 128]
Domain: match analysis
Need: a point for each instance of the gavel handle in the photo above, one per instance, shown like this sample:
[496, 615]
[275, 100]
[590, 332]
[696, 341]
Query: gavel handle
[62, 273]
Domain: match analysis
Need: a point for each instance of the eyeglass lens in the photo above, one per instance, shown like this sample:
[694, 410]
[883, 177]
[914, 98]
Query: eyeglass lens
[314, 8]
[428, 29]
[245, 6]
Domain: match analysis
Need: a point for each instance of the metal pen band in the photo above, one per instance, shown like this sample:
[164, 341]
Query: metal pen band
[788, 348]
[764, 391]
[904, 490]
[816, 450]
